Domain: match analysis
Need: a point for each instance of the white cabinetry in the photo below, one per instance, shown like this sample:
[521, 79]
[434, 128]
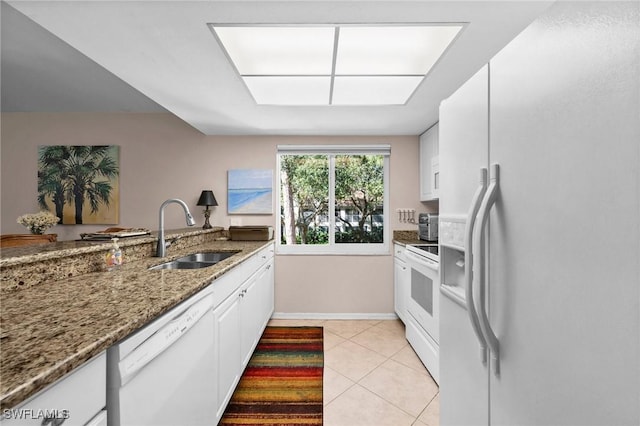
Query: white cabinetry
[400, 281]
[429, 164]
[255, 308]
[251, 317]
[227, 353]
[240, 320]
[77, 399]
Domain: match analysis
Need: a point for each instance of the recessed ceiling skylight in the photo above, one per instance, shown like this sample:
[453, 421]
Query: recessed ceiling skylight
[334, 65]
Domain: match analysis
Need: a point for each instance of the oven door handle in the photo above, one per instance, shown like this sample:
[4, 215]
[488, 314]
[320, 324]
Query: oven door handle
[479, 249]
[468, 270]
[422, 261]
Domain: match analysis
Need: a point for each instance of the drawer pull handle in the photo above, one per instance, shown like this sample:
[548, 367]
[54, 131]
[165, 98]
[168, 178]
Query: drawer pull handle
[53, 421]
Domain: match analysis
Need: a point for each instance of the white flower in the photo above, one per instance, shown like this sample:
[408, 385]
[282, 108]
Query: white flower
[39, 222]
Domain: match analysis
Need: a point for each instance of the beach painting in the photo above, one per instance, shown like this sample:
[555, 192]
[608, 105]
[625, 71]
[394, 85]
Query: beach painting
[250, 191]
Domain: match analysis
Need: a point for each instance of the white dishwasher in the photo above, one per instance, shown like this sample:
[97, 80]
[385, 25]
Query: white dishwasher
[164, 373]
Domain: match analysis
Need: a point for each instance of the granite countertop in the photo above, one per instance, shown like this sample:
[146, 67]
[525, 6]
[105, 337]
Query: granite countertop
[37, 253]
[49, 329]
[406, 237]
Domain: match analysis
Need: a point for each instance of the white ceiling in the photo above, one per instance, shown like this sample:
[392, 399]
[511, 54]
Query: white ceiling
[147, 56]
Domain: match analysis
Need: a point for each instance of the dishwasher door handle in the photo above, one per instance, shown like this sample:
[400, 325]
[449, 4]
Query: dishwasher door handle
[162, 339]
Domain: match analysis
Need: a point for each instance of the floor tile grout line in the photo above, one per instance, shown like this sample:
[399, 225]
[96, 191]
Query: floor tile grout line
[388, 358]
[429, 403]
[391, 402]
[413, 416]
[343, 392]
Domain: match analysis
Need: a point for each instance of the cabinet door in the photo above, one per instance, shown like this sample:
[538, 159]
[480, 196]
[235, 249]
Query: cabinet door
[266, 279]
[434, 178]
[400, 283]
[429, 166]
[250, 316]
[73, 400]
[228, 356]
[256, 308]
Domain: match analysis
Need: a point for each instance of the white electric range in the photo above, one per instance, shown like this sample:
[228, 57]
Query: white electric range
[424, 303]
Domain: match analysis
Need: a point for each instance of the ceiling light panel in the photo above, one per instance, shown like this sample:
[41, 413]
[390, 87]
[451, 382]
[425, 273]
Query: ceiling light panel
[376, 90]
[391, 50]
[265, 50]
[334, 65]
[289, 90]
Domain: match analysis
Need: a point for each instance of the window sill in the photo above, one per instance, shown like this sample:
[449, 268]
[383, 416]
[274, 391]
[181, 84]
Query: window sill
[350, 250]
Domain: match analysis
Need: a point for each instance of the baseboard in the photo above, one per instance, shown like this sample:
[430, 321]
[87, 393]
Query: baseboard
[333, 316]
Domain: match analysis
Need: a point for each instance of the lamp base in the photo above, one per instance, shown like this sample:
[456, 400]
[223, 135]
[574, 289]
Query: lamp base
[207, 213]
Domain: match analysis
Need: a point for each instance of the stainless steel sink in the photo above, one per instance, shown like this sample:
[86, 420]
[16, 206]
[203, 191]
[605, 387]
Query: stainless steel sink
[195, 260]
[214, 256]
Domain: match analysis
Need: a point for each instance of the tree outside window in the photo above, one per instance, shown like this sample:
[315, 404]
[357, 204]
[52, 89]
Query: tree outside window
[359, 194]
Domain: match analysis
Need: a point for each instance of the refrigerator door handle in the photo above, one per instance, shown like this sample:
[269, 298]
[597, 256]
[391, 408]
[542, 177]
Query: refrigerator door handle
[468, 274]
[479, 249]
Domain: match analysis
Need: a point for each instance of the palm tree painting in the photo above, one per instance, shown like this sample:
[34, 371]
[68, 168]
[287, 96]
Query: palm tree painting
[80, 183]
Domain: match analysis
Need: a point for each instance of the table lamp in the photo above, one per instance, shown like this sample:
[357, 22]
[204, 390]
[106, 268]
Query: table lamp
[207, 199]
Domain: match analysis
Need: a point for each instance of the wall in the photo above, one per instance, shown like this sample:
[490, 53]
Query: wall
[162, 157]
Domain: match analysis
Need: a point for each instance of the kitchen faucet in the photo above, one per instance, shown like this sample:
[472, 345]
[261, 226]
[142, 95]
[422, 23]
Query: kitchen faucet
[161, 250]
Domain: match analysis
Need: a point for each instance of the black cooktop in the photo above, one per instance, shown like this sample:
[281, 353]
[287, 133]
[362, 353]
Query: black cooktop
[429, 248]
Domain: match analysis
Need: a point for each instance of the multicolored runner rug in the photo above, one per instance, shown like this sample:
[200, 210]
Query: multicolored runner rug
[282, 384]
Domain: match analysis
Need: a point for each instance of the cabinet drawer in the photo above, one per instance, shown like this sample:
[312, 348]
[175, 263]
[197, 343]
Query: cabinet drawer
[76, 398]
[261, 257]
[266, 253]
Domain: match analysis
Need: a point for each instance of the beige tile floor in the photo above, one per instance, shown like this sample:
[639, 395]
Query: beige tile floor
[372, 377]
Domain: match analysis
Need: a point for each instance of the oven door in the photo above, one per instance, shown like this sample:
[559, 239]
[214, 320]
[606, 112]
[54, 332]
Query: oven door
[424, 300]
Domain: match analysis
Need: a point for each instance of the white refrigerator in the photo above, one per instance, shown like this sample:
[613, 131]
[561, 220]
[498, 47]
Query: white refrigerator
[553, 236]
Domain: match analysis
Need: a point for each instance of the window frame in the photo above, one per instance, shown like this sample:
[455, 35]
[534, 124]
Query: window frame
[333, 248]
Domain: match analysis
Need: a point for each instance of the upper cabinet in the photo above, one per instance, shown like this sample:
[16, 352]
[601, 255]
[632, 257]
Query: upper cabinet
[429, 164]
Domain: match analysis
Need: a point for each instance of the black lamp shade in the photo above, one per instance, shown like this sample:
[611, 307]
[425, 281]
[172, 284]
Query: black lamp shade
[207, 199]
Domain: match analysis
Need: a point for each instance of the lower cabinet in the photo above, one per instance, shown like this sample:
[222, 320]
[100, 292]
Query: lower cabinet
[401, 279]
[239, 323]
[251, 317]
[256, 307]
[77, 399]
[228, 349]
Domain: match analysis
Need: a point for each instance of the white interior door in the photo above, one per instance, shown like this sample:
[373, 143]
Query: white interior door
[564, 239]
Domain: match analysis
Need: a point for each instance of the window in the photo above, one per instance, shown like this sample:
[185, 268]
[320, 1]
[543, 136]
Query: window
[332, 199]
